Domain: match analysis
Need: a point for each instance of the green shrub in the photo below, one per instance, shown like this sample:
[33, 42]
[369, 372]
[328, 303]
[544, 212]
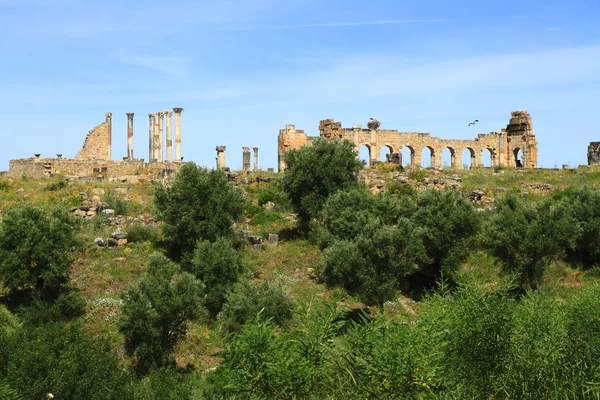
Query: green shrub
[142, 233]
[315, 172]
[199, 205]
[266, 217]
[156, 312]
[120, 205]
[218, 265]
[4, 186]
[63, 360]
[68, 305]
[36, 249]
[55, 186]
[246, 300]
[400, 189]
[163, 384]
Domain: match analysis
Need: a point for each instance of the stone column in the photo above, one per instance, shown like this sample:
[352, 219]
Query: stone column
[109, 122]
[161, 138]
[130, 136]
[355, 131]
[220, 157]
[150, 136]
[168, 114]
[246, 158]
[178, 133]
[156, 140]
[255, 158]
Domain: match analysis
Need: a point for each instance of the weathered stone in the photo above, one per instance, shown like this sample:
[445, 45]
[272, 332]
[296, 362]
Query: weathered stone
[121, 242]
[118, 235]
[269, 206]
[255, 239]
[108, 212]
[273, 239]
[100, 242]
[112, 242]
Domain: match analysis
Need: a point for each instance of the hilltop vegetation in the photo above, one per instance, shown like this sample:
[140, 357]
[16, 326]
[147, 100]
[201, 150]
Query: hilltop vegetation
[408, 293]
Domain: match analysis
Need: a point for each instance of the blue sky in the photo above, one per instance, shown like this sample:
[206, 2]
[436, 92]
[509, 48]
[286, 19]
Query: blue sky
[242, 69]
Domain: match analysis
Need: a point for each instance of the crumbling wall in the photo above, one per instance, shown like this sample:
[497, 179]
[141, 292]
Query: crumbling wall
[594, 153]
[503, 147]
[97, 145]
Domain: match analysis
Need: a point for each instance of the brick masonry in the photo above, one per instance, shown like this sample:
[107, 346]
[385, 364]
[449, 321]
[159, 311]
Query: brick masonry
[504, 146]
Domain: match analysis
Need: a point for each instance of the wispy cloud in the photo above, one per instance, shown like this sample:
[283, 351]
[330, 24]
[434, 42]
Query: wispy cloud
[340, 24]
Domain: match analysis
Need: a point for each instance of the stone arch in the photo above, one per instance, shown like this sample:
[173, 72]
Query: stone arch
[364, 154]
[518, 157]
[383, 151]
[428, 160]
[468, 158]
[487, 157]
[408, 155]
[448, 157]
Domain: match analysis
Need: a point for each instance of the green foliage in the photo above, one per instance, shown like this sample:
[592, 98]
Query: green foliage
[525, 237]
[199, 204]
[68, 305]
[36, 249]
[163, 384]
[218, 265]
[120, 205]
[391, 242]
[315, 172]
[141, 234]
[371, 266]
[246, 300]
[63, 360]
[582, 206]
[156, 312]
[8, 393]
[268, 192]
[400, 189]
[417, 174]
[55, 186]
[4, 186]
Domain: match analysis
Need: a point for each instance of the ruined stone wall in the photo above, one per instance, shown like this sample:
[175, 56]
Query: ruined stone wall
[98, 142]
[504, 147]
[37, 168]
[594, 153]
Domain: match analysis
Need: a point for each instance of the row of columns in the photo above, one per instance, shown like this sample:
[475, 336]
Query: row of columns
[245, 158]
[156, 138]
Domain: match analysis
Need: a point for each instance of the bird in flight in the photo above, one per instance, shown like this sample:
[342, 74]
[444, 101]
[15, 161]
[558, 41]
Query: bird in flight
[474, 122]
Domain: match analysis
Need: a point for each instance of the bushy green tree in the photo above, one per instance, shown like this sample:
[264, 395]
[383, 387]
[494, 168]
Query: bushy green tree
[199, 204]
[36, 249]
[218, 265]
[63, 360]
[372, 266]
[246, 300]
[315, 172]
[526, 237]
[582, 206]
[156, 311]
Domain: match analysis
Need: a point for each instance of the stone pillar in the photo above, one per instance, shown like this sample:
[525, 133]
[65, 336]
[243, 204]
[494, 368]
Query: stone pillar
[150, 136]
[220, 157]
[355, 132]
[178, 134]
[161, 138]
[246, 158]
[255, 158]
[168, 114]
[155, 140]
[130, 136]
[109, 122]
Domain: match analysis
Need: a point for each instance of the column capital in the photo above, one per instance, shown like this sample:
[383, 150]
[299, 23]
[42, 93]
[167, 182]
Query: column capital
[255, 149]
[246, 149]
[129, 115]
[160, 113]
[221, 149]
[168, 113]
[150, 115]
[178, 110]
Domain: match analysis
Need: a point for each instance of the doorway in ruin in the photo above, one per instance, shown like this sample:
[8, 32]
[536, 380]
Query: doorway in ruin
[383, 153]
[448, 159]
[518, 157]
[486, 158]
[408, 156]
[364, 154]
[427, 157]
[468, 158]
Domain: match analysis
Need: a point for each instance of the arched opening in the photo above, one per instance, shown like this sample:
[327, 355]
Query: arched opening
[448, 159]
[486, 158]
[427, 157]
[408, 155]
[518, 157]
[468, 158]
[364, 154]
[383, 153]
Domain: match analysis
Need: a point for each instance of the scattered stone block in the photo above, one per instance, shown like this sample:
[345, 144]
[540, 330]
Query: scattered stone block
[273, 239]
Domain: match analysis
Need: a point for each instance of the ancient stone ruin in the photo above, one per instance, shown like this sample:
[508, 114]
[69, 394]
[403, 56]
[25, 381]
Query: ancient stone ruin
[594, 153]
[505, 147]
[95, 157]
